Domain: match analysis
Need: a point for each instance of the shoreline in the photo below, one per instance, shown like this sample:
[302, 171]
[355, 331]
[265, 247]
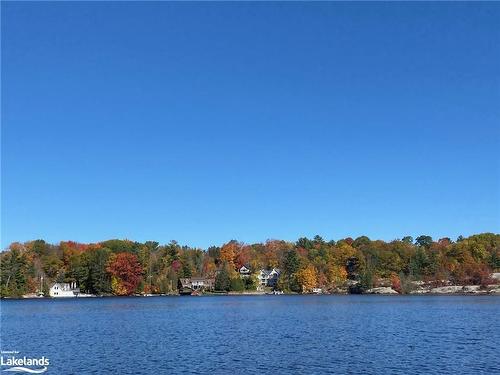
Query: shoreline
[429, 294]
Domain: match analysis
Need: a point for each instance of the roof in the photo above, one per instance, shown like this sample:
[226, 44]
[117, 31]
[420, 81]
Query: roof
[269, 272]
[266, 272]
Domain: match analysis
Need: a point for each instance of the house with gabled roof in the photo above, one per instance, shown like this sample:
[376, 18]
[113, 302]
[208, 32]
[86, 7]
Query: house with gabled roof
[244, 272]
[268, 278]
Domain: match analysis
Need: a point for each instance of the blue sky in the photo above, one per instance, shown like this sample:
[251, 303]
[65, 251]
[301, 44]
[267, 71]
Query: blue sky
[203, 122]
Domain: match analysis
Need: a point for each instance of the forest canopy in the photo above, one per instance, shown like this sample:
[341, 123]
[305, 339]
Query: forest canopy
[124, 267]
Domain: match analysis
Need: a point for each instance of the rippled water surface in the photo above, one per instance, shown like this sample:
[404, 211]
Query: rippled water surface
[261, 334]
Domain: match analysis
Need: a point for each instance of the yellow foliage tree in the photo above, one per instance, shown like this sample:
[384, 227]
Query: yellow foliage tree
[117, 287]
[343, 252]
[337, 275]
[307, 278]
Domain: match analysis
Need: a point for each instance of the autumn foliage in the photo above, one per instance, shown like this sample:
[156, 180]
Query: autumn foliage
[124, 267]
[126, 273]
[307, 278]
[228, 252]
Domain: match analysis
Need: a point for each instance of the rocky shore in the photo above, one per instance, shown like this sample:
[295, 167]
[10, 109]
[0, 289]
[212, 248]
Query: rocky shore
[451, 289]
[442, 287]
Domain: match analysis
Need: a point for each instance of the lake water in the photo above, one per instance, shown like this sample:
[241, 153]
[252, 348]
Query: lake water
[258, 334]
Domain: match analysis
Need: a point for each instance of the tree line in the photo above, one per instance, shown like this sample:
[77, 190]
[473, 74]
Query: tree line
[124, 267]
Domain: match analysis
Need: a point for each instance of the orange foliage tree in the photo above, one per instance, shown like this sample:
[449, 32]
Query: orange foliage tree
[228, 252]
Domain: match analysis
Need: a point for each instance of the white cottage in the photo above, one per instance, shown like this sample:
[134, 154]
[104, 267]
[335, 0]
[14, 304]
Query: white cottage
[60, 290]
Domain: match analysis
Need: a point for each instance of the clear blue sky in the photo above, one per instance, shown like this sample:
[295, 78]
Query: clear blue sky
[203, 122]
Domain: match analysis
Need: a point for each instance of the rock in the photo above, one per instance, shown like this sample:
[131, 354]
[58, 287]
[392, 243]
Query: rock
[354, 287]
[447, 289]
[472, 289]
[32, 295]
[381, 290]
[495, 290]
[417, 283]
[496, 276]
[420, 291]
[384, 282]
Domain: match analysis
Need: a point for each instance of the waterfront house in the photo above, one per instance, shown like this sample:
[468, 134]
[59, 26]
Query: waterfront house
[268, 278]
[60, 290]
[262, 278]
[244, 272]
[202, 283]
[197, 283]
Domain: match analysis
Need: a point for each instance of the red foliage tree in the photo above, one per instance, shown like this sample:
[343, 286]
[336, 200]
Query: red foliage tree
[127, 271]
[176, 265]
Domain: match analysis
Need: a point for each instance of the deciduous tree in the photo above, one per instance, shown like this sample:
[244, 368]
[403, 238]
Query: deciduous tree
[126, 272]
[307, 278]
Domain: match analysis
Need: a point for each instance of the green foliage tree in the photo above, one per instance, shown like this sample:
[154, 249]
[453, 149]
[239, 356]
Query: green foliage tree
[407, 240]
[185, 270]
[366, 280]
[39, 247]
[318, 240]
[424, 241]
[291, 263]
[214, 252]
[305, 243]
[13, 274]
[52, 265]
[250, 283]
[494, 261]
[122, 246]
[98, 280]
[237, 285]
[172, 251]
[361, 242]
[222, 280]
